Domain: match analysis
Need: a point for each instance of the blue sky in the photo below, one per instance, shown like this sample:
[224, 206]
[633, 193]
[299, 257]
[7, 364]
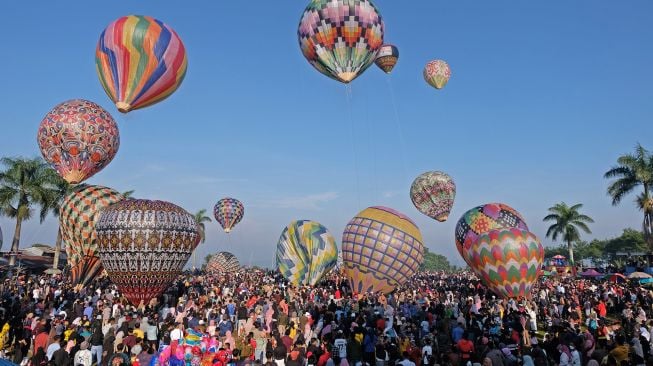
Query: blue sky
[543, 98]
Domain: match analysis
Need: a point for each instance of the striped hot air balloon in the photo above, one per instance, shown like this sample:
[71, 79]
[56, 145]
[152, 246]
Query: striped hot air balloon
[79, 212]
[509, 261]
[381, 250]
[306, 251]
[140, 61]
[341, 38]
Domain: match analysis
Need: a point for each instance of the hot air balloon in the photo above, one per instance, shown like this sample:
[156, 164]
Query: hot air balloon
[306, 251]
[437, 73]
[78, 138]
[222, 262]
[140, 61]
[508, 260]
[144, 245]
[381, 250]
[387, 58]
[433, 194]
[341, 38]
[78, 214]
[482, 219]
[228, 212]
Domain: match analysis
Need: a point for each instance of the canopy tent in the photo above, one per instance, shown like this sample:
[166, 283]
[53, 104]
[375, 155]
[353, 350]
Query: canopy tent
[617, 277]
[639, 275]
[559, 257]
[591, 273]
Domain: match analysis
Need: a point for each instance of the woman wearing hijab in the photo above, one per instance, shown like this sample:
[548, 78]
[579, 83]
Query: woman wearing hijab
[228, 338]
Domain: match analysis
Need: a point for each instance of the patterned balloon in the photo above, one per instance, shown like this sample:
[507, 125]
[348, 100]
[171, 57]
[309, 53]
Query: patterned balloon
[437, 73]
[341, 38]
[509, 261]
[306, 251]
[222, 262]
[140, 61]
[387, 58]
[78, 138]
[433, 194]
[228, 212]
[482, 219]
[381, 250]
[77, 217]
[144, 245]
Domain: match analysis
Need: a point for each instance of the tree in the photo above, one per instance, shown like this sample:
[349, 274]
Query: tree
[24, 185]
[567, 220]
[128, 194]
[630, 241]
[435, 262]
[632, 171]
[201, 218]
[53, 204]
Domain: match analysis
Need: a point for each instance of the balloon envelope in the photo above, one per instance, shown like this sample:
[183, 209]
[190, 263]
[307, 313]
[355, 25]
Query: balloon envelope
[78, 138]
[228, 212]
[223, 262]
[144, 245]
[140, 61]
[79, 212]
[433, 194]
[381, 249]
[509, 261]
[482, 219]
[387, 58]
[437, 73]
[341, 38]
[306, 251]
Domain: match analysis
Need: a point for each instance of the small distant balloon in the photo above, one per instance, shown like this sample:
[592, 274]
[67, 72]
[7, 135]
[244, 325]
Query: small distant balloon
[437, 73]
[140, 61]
[482, 219]
[433, 194]
[228, 212]
[508, 261]
[78, 138]
[306, 251]
[222, 262]
[387, 58]
[341, 38]
[381, 249]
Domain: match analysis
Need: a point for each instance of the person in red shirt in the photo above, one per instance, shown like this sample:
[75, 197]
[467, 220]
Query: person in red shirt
[601, 309]
[324, 357]
[466, 348]
[41, 339]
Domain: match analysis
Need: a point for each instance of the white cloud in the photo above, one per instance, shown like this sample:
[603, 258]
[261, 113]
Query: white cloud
[391, 194]
[307, 202]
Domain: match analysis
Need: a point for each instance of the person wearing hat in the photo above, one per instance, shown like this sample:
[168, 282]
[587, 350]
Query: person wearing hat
[83, 356]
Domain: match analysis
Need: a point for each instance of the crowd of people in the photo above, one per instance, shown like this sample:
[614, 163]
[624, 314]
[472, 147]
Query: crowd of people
[256, 317]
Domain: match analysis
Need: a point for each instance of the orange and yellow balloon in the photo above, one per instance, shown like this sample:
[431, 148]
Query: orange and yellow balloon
[140, 61]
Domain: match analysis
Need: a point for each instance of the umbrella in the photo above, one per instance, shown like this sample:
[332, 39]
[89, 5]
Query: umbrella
[617, 277]
[645, 281]
[4, 362]
[52, 271]
[558, 256]
[639, 275]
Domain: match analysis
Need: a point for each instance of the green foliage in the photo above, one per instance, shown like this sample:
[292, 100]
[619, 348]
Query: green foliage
[435, 262]
[629, 241]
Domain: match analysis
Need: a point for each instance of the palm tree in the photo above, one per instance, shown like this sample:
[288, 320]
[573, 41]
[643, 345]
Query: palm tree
[128, 194]
[24, 184]
[61, 190]
[567, 220]
[201, 218]
[632, 171]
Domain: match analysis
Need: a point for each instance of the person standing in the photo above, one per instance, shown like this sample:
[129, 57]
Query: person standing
[83, 357]
[97, 340]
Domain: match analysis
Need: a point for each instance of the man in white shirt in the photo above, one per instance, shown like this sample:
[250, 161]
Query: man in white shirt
[406, 361]
[177, 333]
